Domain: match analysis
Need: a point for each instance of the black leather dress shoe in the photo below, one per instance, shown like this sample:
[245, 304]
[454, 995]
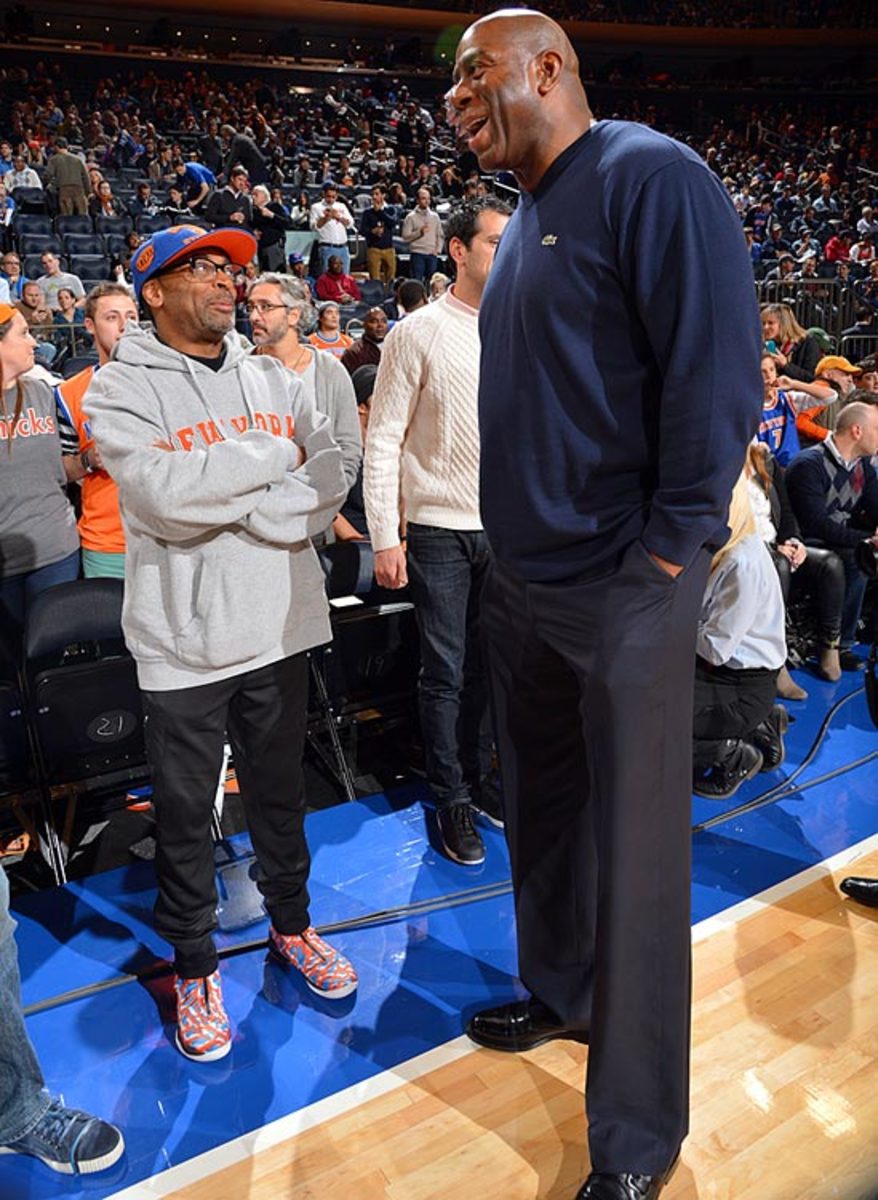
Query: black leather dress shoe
[520, 1025]
[604, 1186]
[864, 891]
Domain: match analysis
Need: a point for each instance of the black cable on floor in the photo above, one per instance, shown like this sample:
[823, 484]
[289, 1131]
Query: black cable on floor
[384, 916]
[788, 787]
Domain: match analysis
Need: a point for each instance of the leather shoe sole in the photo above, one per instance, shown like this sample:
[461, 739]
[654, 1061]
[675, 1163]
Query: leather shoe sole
[519, 1026]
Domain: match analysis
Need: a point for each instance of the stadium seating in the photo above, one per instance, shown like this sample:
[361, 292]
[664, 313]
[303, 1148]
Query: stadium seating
[120, 225]
[90, 266]
[72, 366]
[148, 225]
[31, 223]
[38, 243]
[84, 243]
[30, 200]
[372, 291]
[74, 223]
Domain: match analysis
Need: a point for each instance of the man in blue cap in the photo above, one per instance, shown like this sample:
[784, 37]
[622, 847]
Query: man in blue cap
[299, 268]
[225, 471]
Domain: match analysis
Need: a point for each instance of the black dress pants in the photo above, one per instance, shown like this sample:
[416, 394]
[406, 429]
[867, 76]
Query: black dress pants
[591, 685]
[265, 714]
[728, 704]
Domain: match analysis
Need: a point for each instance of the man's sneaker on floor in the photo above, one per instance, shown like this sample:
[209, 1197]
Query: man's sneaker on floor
[326, 971]
[203, 1030]
[70, 1141]
[487, 802]
[461, 841]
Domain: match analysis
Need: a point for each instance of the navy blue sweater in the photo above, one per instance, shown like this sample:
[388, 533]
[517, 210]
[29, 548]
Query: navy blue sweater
[620, 378]
[833, 503]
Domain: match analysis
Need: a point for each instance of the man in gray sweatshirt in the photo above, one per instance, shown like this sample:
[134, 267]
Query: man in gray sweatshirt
[225, 470]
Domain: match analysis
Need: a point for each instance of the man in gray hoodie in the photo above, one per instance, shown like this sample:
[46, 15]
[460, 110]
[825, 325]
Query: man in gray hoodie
[225, 470]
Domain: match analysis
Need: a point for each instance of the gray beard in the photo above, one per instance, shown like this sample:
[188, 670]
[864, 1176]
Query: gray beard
[219, 324]
[272, 339]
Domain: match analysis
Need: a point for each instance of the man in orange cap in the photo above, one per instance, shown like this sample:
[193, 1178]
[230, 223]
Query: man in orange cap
[813, 424]
[225, 471]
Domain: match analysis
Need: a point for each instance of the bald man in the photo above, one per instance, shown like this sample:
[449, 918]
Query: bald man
[619, 388]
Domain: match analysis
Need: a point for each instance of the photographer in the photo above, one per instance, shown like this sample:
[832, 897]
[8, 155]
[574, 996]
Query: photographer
[332, 219]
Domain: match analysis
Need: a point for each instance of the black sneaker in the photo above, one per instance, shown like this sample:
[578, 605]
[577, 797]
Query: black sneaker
[70, 1142]
[740, 763]
[767, 737]
[487, 802]
[460, 839]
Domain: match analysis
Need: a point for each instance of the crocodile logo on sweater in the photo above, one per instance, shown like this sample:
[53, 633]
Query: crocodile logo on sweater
[549, 239]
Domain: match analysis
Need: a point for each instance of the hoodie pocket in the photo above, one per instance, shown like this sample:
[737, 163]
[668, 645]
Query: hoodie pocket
[240, 599]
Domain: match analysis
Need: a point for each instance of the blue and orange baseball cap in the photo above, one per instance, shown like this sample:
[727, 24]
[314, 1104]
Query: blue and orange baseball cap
[168, 246]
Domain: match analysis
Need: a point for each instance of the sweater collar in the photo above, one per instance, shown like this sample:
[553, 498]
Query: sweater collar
[452, 301]
[835, 454]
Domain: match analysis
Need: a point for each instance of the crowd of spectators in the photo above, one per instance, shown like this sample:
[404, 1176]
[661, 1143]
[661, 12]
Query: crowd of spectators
[736, 14]
[372, 178]
[367, 173]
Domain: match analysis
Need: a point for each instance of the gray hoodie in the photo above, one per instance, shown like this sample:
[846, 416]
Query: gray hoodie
[220, 577]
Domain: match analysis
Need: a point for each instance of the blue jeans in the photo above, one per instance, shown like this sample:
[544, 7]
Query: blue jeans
[23, 1098]
[17, 591]
[446, 569]
[326, 253]
[424, 266]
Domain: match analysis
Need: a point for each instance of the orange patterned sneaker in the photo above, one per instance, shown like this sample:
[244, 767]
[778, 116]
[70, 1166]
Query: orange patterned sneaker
[326, 972]
[203, 1030]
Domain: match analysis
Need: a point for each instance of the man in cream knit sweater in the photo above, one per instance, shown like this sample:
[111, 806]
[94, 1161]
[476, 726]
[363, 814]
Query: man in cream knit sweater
[424, 446]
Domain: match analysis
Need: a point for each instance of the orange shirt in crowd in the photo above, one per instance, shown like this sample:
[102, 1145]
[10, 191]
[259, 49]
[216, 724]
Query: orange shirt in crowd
[337, 346]
[100, 526]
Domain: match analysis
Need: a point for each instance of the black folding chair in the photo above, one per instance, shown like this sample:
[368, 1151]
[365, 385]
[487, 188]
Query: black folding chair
[83, 698]
[368, 671]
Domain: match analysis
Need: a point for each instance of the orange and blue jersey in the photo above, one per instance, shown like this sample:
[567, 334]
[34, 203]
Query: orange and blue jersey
[777, 429]
[100, 525]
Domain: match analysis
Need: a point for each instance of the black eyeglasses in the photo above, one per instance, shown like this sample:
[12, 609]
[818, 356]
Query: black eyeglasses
[205, 269]
[261, 306]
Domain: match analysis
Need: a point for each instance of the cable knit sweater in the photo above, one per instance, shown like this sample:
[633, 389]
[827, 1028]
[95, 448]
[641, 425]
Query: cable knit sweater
[423, 438]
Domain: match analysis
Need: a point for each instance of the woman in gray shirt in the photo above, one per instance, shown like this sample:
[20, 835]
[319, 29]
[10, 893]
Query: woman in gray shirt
[39, 545]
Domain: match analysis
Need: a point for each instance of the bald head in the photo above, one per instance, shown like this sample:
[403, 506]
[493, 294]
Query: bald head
[856, 430]
[529, 33]
[517, 99]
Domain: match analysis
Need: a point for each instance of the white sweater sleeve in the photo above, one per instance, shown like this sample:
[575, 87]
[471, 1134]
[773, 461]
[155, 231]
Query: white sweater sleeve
[394, 400]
